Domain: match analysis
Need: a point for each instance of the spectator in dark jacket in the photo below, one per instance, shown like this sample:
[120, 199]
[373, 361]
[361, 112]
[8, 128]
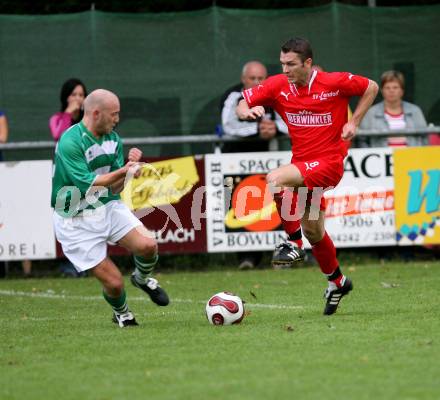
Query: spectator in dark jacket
[271, 124]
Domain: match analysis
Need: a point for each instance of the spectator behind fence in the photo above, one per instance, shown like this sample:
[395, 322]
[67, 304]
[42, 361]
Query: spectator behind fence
[253, 73]
[73, 93]
[269, 126]
[393, 114]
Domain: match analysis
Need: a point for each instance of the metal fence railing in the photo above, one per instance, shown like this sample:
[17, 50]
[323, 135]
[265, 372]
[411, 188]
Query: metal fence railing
[212, 138]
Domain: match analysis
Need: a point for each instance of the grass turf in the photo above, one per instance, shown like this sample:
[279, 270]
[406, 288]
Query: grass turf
[57, 341]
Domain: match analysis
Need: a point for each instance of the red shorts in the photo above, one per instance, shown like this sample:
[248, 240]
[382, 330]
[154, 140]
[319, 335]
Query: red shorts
[324, 172]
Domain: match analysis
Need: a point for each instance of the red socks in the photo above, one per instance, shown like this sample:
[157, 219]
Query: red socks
[325, 253]
[291, 227]
[324, 250]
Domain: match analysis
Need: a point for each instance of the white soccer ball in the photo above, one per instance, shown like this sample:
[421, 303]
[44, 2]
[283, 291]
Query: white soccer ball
[224, 308]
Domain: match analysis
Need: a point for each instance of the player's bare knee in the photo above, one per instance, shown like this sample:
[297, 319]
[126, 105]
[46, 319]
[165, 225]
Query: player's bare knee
[271, 178]
[148, 248]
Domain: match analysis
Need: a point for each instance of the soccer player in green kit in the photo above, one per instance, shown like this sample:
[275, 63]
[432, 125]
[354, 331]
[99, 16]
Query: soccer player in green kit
[88, 212]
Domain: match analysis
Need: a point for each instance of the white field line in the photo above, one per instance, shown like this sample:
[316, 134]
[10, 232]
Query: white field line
[55, 296]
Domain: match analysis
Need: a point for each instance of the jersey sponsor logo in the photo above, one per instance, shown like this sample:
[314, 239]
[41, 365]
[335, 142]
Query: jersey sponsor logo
[286, 95]
[325, 95]
[307, 118]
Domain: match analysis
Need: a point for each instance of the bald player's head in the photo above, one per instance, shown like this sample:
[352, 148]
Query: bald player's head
[98, 99]
[253, 73]
[101, 111]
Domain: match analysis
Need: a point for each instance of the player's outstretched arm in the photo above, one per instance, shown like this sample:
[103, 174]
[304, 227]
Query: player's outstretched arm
[250, 114]
[366, 100]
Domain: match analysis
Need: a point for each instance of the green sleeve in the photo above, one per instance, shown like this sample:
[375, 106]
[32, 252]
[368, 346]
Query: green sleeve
[75, 165]
[119, 161]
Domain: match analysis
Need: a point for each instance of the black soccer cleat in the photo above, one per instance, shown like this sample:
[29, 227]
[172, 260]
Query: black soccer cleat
[152, 288]
[286, 254]
[124, 320]
[334, 297]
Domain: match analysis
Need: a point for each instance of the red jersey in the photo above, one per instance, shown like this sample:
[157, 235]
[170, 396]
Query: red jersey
[314, 114]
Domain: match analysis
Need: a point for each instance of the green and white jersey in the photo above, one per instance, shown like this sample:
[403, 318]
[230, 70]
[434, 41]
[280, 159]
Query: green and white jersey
[79, 158]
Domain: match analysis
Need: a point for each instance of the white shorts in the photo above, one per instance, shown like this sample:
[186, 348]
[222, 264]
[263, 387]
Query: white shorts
[84, 238]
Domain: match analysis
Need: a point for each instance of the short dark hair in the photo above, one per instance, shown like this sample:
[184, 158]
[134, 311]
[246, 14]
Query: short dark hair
[67, 89]
[299, 46]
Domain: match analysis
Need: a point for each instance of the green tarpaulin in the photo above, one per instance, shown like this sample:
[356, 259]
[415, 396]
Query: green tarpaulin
[171, 69]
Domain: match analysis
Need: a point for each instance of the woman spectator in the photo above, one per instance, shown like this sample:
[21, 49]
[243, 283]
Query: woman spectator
[73, 93]
[393, 114]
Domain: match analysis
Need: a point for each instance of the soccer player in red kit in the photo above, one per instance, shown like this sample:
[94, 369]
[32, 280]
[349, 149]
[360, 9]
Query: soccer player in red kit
[314, 106]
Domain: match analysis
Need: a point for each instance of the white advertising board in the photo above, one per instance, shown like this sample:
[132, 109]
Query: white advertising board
[360, 210]
[26, 230]
[225, 175]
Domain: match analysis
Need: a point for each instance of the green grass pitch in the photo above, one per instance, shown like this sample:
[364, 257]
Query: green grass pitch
[57, 340]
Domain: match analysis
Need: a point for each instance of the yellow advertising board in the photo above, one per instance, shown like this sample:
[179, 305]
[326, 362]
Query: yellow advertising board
[161, 183]
[417, 195]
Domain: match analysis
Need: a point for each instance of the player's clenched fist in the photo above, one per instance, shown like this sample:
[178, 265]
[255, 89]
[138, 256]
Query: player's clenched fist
[245, 112]
[253, 113]
[348, 131]
[134, 154]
